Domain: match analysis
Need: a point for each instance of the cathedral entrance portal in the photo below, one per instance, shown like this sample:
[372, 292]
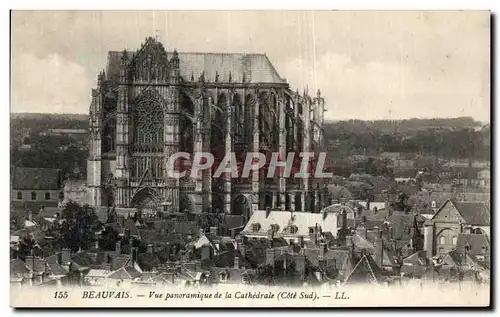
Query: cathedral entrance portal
[146, 201]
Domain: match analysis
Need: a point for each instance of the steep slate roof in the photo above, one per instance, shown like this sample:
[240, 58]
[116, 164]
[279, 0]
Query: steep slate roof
[233, 221]
[18, 268]
[256, 67]
[54, 267]
[36, 265]
[36, 178]
[119, 261]
[125, 273]
[82, 259]
[401, 222]
[365, 271]
[148, 261]
[416, 259]
[97, 273]
[226, 259]
[361, 243]
[459, 260]
[475, 241]
[474, 213]
[303, 221]
[340, 257]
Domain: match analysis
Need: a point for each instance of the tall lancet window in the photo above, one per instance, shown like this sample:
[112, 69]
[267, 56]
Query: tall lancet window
[149, 123]
[109, 133]
[238, 120]
[250, 104]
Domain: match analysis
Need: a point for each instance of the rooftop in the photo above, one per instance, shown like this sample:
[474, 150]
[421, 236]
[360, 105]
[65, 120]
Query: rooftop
[255, 67]
[36, 178]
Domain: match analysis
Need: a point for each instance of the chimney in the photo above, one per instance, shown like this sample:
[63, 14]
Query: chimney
[96, 245]
[325, 214]
[66, 255]
[59, 258]
[242, 249]
[233, 233]
[300, 264]
[322, 250]
[167, 250]
[118, 247]
[112, 262]
[423, 254]
[201, 232]
[301, 241]
[348, 241]
[270, 256]
[133, 256]
[132, 251]
[236, 262]
[213, 232]
[150, 248]
[268, 211]
[270, 234]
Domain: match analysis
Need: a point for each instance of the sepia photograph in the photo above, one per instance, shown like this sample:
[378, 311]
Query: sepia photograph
[284, 158]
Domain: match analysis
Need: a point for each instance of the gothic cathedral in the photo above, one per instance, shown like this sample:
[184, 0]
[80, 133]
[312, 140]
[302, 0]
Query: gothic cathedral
[152, 103]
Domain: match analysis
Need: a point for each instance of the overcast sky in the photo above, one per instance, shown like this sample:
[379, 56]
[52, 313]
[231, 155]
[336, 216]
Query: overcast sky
[368, 64]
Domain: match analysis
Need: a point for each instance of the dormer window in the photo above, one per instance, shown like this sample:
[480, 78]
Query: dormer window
[275, 228]
[223, 276]
[256, 227]
[294, 229]
[311, 230]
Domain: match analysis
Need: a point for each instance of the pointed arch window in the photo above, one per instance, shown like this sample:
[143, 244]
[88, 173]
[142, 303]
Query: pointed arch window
[109, 133]
[149, 123]
[249, 109]
[238, 120]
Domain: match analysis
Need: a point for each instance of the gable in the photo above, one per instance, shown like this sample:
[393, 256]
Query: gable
[448, 212]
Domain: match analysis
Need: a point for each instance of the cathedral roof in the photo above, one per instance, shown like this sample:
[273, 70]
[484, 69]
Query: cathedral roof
[257, 68]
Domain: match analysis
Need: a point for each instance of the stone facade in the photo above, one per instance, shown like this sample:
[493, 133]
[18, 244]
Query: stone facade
[152, 103]
[442, 231]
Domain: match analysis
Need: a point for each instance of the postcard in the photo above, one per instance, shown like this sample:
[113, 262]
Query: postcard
[250, 159]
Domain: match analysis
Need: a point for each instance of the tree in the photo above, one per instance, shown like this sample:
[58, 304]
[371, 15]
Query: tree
[78, 226]
[402, 203]
[26, 246]
[108, 239]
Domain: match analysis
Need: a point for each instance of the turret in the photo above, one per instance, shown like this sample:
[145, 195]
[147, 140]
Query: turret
[124, 63]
